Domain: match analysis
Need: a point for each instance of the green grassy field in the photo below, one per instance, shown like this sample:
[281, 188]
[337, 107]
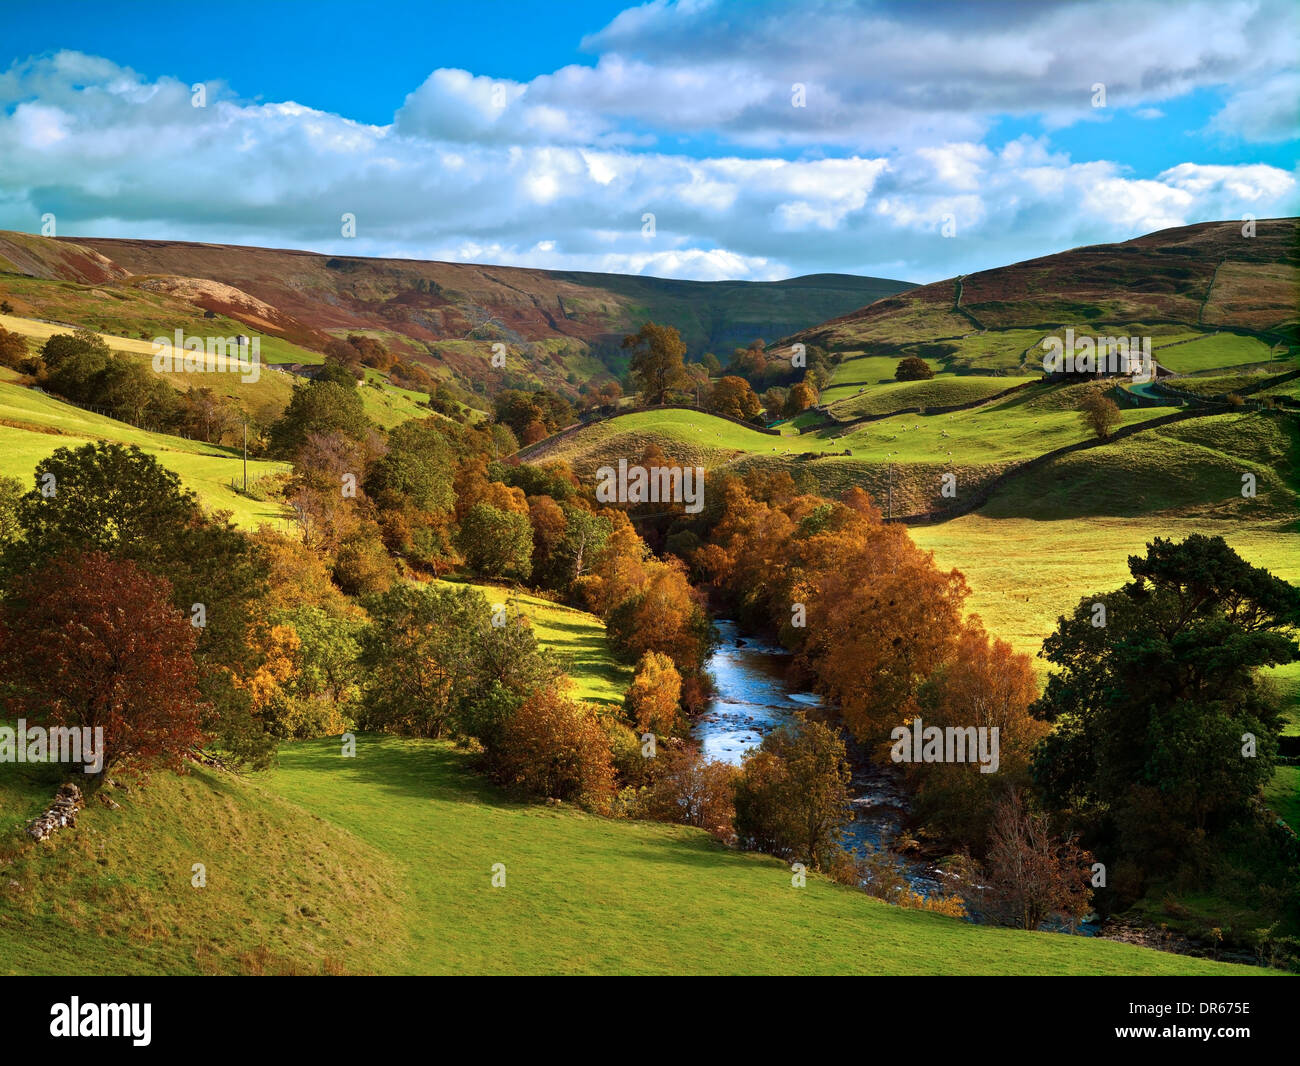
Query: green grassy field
[132, 332]
[384, 864]
[1066, 529]
[941, 391]
[1283, 795]
[1215, 352]
[263, 399]
[1220, 384]
[1019, 427]
[287, 891]
[911, 452]
[33, 424]
[1002, 349]
[873, 369]
[389, 406]
[1025, 573]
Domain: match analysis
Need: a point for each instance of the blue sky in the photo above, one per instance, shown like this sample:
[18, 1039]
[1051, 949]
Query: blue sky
[766, 139]
[314, 52]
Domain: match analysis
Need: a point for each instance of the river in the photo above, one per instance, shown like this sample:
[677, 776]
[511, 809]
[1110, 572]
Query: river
[753, 698]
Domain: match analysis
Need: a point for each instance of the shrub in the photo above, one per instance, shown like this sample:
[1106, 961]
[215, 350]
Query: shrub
[92, 641]
[363, 565]
[792, 795]
[13, 349]
[553, 746]
[688, 790]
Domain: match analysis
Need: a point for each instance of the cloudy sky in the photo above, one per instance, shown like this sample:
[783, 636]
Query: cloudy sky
[908, 140]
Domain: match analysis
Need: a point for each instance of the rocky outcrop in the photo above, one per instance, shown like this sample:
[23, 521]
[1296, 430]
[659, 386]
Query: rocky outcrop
[61, 814]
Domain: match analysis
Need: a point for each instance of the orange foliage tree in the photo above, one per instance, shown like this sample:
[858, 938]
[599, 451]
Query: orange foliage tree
[554, 746]
[652, 700]
[984, 684]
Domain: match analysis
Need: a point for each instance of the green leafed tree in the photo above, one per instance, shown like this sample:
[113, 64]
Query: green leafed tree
[319, 407]
[1165, 730]
[119, 500]
[496, 543]
[913, 368]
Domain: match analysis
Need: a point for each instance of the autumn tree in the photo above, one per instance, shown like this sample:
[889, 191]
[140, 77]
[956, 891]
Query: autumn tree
[792, 797]
[750, 362]
[362, 565]
[326, 488]
[520, 410]
[118, 500]
[1098, 412]
[691, 790]
[372, 351]
[1031, 875]
[732, 396]
[880, 616]
[774, 401]
[620, 567]
[209, 415]
[297, 576]
[553, 746]
[652, 700]
[474, 483]
[656, 361]
[800, 397]
[14, 352]
[665, 615]
[343, 354]
[982, 684]
[92, 641]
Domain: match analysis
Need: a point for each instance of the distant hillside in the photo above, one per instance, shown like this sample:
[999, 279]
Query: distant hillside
[1208, 276]
[562, 329]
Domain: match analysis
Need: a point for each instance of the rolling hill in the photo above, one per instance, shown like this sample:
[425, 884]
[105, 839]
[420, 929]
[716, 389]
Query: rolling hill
[898, 439]
[561, 329]
[1207, 276]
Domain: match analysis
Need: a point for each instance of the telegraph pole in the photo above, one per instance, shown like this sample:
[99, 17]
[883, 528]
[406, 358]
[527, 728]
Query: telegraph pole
[245, 455]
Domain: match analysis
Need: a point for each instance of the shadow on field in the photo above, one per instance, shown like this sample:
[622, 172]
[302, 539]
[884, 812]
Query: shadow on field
[421, 768]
